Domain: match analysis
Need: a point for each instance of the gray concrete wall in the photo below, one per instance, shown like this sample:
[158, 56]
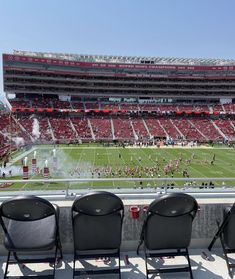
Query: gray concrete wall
[204, 225]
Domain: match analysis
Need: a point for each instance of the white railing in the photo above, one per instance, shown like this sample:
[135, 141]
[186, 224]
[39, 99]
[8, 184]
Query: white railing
[135, 179]
[162, 185]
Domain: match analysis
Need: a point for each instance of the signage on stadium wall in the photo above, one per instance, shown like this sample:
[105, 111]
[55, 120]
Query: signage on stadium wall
[60, 62]
[92, 74]
[50, 110]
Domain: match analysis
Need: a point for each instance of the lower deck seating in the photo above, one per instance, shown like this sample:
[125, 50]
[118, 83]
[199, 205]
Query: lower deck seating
[62, 129]
[122, 127]
[101, 127]
[81, 127]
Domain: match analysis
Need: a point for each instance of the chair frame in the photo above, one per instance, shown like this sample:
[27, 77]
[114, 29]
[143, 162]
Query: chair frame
[219, 234]
[16, 260]
[178, 252]
[173, 252]
[77, 257]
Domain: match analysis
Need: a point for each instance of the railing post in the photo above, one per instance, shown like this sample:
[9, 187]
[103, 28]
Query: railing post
[67, 190]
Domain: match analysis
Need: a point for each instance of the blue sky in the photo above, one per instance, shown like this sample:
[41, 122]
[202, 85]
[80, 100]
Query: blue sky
[169, 28]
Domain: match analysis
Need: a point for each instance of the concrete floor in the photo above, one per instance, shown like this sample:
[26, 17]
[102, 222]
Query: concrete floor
[135, 269]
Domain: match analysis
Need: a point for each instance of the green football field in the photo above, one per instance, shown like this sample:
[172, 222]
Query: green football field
[97, 161]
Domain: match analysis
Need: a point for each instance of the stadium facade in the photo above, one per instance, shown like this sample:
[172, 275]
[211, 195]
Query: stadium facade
[110, 76]
[62, 98]
[106, 98]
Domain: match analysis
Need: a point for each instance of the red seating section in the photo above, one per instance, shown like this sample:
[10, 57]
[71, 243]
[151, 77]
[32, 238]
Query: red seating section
[62, 128]
[82, 128]
[128, 126]
[155, 128]
[206, 127]
[226, 127]
[101, 127]
[122, 128]
[187, 129]
[140, 128]
[170, 128]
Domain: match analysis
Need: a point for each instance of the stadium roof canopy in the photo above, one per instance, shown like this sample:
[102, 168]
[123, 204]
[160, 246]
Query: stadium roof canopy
[129, 59]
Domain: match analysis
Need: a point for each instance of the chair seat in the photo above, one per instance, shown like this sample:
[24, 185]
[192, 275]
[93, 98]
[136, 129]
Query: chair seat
[31, 235]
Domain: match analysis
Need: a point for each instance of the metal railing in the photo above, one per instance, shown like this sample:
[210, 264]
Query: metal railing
[143, 188]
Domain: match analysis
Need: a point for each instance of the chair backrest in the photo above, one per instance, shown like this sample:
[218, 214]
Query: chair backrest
[97, 221]
[26, 208]
[168, 223]
[229, 228]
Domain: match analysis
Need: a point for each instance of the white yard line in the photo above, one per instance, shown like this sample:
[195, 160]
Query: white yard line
[77, 165]
[109, 164]
[138, 147]
[21, 156]
[154, 162]
[92, 185]
[139, 162]
[132, 152]
[126, 164]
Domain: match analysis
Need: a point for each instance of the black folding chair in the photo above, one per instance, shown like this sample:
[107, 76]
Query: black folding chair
[97, 229]
[226, 234]
[166, 231]
[30, 225]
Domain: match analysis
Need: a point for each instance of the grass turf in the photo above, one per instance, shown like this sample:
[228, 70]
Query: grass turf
[96, 157]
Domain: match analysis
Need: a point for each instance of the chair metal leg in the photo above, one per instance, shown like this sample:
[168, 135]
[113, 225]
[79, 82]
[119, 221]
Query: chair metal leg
[7, 264]
[51, 260]
[55, 261]
[74, 263]
[119, 264]
[180, 252]
[61, 253]
[15, 256]
[226, 258]
[146, 263]
[189, 264]
[60, 249]
[138, 248]
[91, 271]
[218, 233]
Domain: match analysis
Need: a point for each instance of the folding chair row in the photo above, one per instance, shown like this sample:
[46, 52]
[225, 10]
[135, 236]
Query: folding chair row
[32, 224]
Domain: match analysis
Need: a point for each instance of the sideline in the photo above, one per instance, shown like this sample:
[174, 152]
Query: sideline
[21, 156]
[136, 147]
